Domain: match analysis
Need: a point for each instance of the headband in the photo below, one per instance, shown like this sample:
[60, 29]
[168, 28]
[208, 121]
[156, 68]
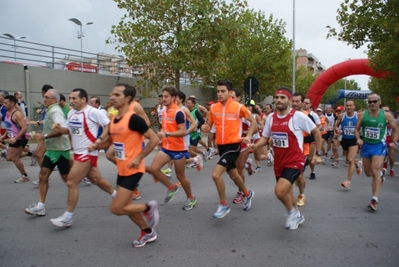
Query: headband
[283, 92]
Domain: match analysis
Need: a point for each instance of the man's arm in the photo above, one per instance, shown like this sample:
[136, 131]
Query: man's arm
[139, 110]
[191, 120]
[19, 118]
[357, 128]
[394, 126]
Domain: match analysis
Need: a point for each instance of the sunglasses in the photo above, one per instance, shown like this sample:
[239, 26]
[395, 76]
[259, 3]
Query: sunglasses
[373, 101]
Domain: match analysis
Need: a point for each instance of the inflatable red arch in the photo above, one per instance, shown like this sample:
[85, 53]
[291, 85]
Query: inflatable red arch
[337, 72]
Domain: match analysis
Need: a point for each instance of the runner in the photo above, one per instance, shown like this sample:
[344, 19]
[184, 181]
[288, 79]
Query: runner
[173, 148]
[82, 123]
[226, 116]
[16, 135]
[57, 150]
[348, 121]
[286, 127]
[373, 124]
[127, 131]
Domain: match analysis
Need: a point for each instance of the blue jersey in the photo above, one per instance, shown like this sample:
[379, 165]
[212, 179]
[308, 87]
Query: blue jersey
[348, 125]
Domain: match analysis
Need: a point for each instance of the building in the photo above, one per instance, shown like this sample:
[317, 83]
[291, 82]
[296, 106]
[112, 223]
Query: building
[308, 60]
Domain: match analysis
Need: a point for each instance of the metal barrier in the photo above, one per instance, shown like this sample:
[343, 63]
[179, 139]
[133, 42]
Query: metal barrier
[22, 52]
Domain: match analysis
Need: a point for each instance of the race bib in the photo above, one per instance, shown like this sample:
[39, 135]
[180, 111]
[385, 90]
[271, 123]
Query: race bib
[76, 127]
[372, 133]
[119, 151]
[10, 134]
[349, 130]
[280, 140]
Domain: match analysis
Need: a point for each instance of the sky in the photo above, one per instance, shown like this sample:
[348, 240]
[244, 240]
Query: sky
[46, 22]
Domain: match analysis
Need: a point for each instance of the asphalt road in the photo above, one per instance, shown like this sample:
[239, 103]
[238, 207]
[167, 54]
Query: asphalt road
[339, 229]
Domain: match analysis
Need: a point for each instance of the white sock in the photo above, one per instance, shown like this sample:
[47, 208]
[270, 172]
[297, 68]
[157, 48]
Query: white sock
[68, 214]
[40, 205]
[195, 160]
[376, 198]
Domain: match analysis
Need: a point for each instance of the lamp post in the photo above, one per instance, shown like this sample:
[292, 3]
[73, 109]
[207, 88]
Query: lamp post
[15, 44]
[80, 36]
[293, 47]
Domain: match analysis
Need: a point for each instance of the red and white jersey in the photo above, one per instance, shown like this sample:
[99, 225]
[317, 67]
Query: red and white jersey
[245, 127]
[83, 126]
[287, 135]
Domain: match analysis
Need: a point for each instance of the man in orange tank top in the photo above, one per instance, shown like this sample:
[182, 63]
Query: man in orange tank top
[226, 116]
[126, 132]
[173, 148]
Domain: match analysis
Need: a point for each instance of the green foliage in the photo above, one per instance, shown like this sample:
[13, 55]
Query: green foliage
[207, 39]
[169, 37]
[258, 49]
[374, 23]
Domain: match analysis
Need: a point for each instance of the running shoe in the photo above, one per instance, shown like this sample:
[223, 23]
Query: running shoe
[248, 166]
[292, 221]
[136, 195]
[359, 167]
[210, 153]
[167, 172]
[86, 181]
[346, 184]
[55, 169]
[301, 201]
[383, 175]
[22, 179]
[204, 156]
[258, 169]
[300, 218]
[391, 173]
[152, 216]
[246, 203]
[312, 176]
[270, 158]
[37, 182]
[373, 204]
[171, 194]
[33, 159]
[62, 221]
[222, 211]
[33, 209]
[335, 163]
[4, 154]
[323, 160]
[199, 163]
[239, 198]
[191, 165]
[145, 238]
[190, 203]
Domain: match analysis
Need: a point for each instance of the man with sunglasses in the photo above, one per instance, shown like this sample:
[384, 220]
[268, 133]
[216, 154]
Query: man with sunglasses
[373, 124]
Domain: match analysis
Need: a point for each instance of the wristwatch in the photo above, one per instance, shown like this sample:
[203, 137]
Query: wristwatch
[319, 153]
[167, 134]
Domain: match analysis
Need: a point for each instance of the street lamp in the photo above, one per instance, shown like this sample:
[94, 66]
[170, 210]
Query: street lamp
[15, 44]
[293, 47]
[80, 36]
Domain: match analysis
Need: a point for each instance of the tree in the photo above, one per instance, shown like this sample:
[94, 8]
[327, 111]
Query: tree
[258, 48]
[168, 37]
[373, 23]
